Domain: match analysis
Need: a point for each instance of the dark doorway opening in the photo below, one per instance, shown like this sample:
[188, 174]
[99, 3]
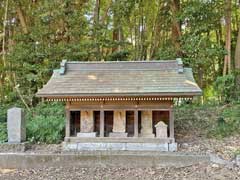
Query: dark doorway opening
[130, 123]
[74, 123]
[160, 116]
[108, 122]
[139, 121]
[96, 116]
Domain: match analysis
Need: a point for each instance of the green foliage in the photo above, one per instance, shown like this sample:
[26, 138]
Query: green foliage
[118, 56]
[228, 122]
[225, 87]
[3, 114]
[3, 132]
[198, 119]
[45, 123]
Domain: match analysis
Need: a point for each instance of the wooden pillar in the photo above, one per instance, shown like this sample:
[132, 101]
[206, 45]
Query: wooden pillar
[67, 128]
[101, 123]
[135, 123]
[171, 123]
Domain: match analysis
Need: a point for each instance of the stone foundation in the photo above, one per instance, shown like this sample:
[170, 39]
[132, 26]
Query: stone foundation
[90, 134]
[118, 134]
[98, 146]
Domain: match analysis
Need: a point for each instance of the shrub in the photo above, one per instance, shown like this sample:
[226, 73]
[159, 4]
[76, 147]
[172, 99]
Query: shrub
[225, 88]
[3, 132]
[3, 124]
[45, 123]
[228, 123]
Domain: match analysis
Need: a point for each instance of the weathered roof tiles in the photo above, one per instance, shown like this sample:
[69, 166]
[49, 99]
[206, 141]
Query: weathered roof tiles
[123, 78]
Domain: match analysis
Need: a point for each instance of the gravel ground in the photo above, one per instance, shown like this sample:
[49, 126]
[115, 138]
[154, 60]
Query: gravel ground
[226, 148]
[200, 172]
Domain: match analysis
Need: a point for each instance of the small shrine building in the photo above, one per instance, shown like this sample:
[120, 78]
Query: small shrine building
[123, 105]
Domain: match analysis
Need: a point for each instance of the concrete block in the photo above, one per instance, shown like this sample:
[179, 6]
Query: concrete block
[172, 147]
[238, 160]
[147, 147]
[100, 146]
[16, 125]
[163, 147]
[69, 146]
[90, 134]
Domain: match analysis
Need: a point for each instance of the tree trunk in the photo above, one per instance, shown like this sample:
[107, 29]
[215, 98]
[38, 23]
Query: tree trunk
[237, 52]
[176, 26]
[227, 58]
[4, 34]
[96, 28]
[4, 63]
[22, 18]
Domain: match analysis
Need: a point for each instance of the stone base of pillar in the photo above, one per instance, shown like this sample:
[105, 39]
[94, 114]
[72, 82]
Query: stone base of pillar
[118, 134]
[147, 135]
[90, 134]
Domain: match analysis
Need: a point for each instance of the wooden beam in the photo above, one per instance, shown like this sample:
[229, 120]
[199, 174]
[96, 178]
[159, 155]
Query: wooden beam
[67, 128]
[121, 107]
[136, 123]
[101, 123]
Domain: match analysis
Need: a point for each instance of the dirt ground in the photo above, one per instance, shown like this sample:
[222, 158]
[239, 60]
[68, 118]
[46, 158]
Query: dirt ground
[225, 148]
[197, 172]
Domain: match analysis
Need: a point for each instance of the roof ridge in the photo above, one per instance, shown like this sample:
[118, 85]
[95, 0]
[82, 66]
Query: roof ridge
[114, 62]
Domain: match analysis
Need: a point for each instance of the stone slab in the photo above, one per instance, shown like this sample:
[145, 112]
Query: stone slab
[172, 147]
[16, 125]
[161, 130]
[146, 120]
[90, 134]
[118, 134]
[87, 122]
[101, 159]
[119, 121]
[147, 135]
[238, 160]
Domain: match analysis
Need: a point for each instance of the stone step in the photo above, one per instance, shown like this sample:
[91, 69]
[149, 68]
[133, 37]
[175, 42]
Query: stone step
[101, 159]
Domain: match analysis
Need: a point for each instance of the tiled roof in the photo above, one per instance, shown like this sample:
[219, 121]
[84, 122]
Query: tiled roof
[123, 78]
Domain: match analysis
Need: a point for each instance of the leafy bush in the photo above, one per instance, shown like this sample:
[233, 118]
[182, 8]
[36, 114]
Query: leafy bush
[197, 119]
[45, 123]
[228, 123]
[225, 88]
[3, 132]
[118, 56]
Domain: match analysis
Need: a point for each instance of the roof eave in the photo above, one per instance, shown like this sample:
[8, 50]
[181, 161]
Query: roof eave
[167, 94]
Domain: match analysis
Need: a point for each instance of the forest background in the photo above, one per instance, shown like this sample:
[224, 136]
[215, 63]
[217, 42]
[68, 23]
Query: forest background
[36, 35]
